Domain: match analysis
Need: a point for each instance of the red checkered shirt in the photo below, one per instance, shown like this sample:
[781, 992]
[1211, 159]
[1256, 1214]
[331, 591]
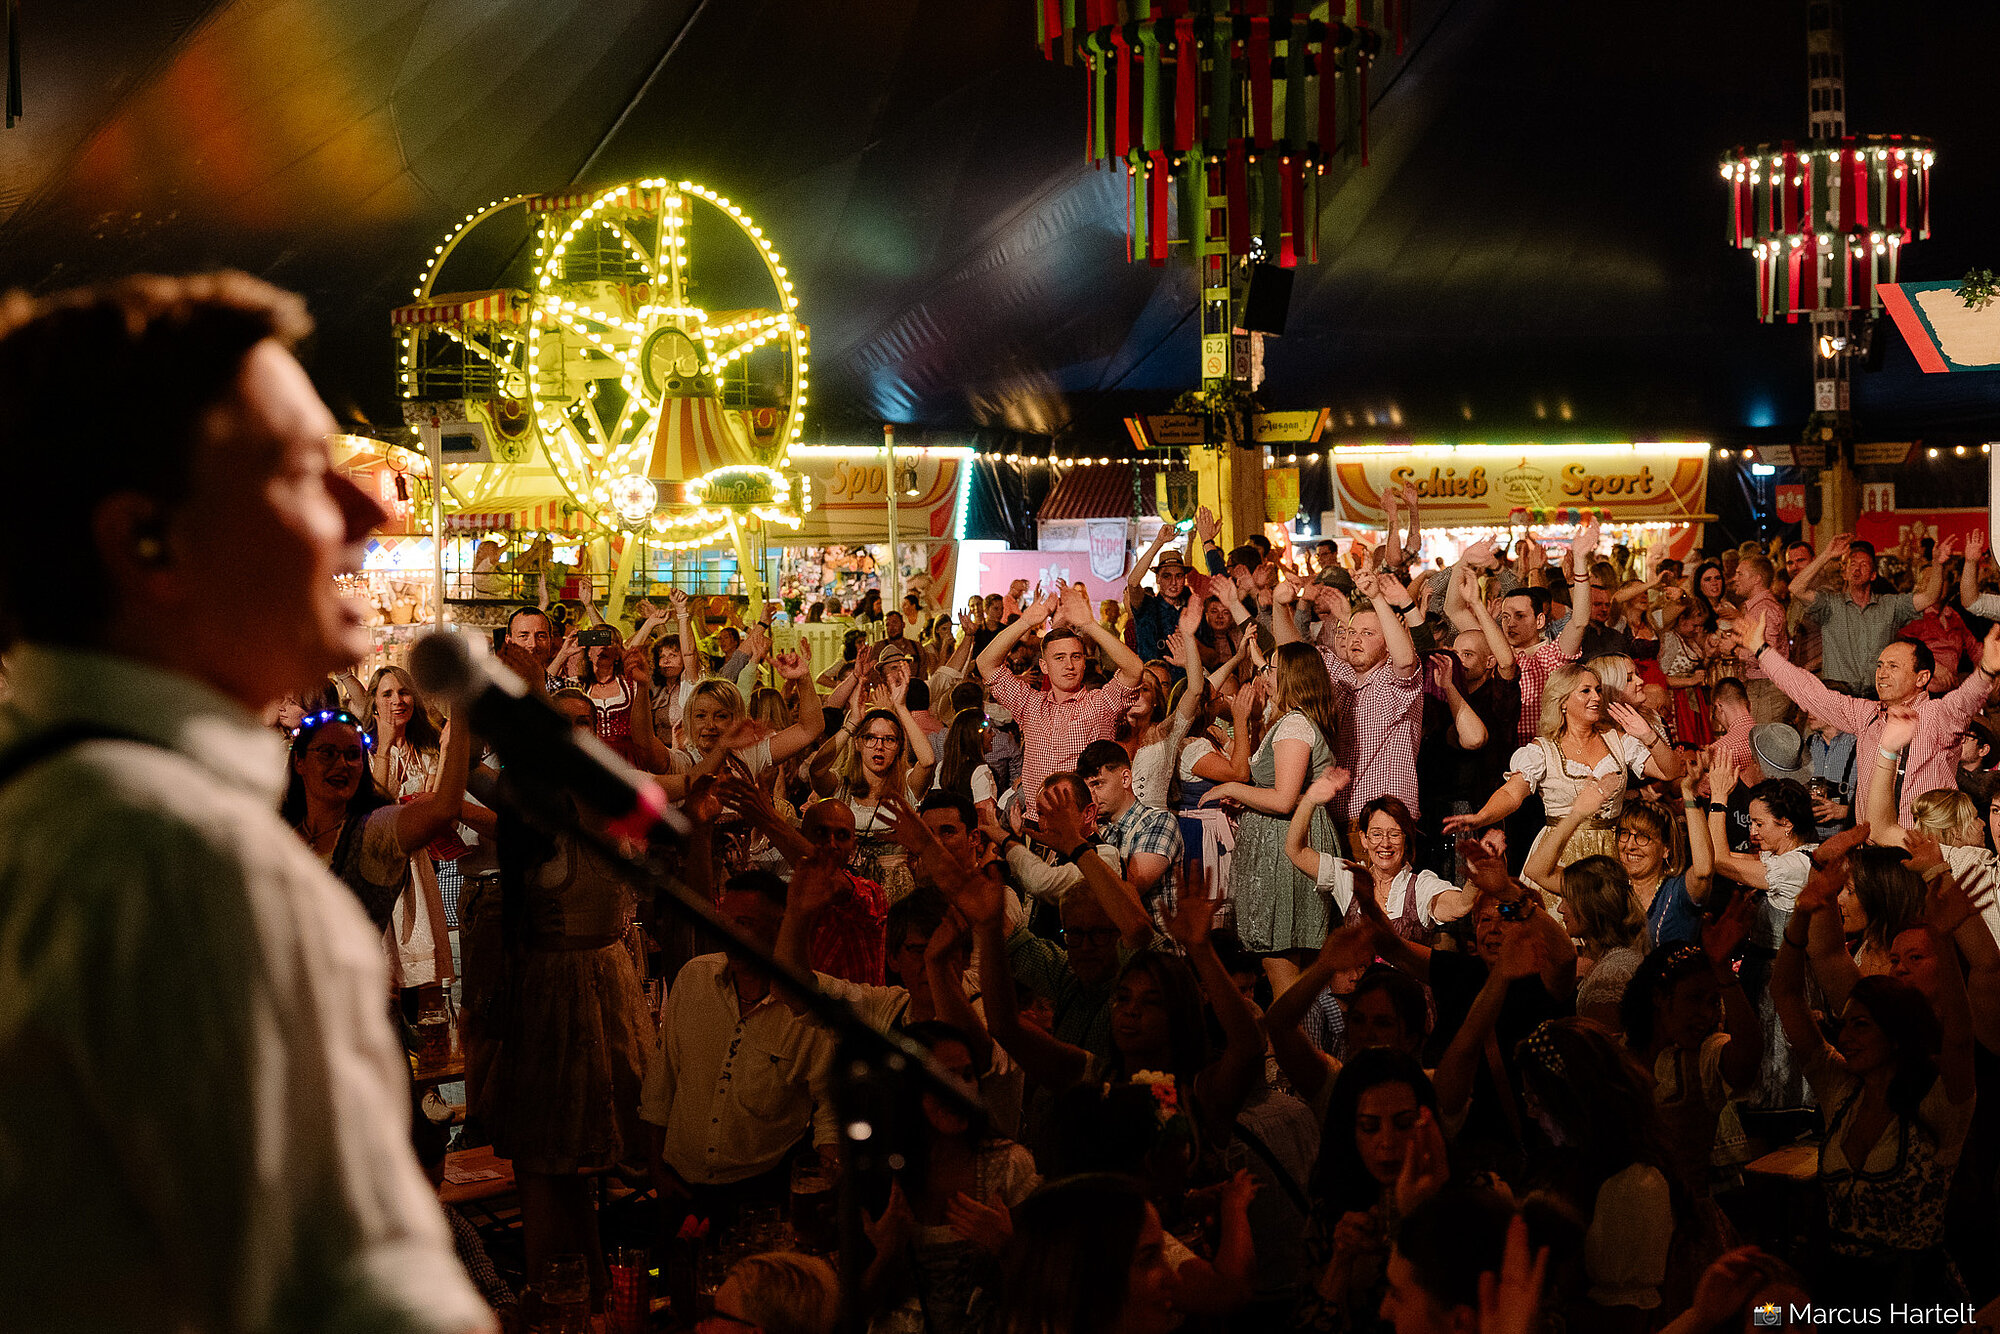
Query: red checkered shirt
[1380, 747]
[1054, 732]
[850, 940]
[1766, 606]
[1536, 667]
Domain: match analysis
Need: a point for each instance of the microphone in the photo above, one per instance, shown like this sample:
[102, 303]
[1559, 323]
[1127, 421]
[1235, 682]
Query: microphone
[525, 730]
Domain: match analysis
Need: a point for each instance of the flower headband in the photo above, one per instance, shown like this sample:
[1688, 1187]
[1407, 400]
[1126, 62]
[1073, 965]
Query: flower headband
[312, 722]
[1541, 1044]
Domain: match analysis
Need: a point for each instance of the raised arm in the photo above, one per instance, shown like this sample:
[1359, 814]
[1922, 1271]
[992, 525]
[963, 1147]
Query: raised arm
[435, 812]
[1062, 828]
[1503, 803]
[1047, 1059]
[1413, 542]
[1226, 1084]
[1076, 610]
[811, 717]
[1284, 630]
[1321, 791]
[1720, 939]
[1235, 766]
[1897, 729]
[1802, 586]
[1458, 1068]
[1349, 946]
[1927, 594]
[1662, 760]
[1468, 729]
[1293, 758]
[1968, 579]
[1801, 686]
[1744, 869]
[1700, 875]
[1788, 978]
[997, 648]
[1576, 568]
[1391, 601]
[1135, 595]
[1503, 652]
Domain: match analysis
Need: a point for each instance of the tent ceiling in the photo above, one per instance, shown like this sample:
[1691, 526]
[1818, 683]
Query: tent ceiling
[1536, 250]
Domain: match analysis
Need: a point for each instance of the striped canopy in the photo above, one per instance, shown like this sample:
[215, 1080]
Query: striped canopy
[503, 306]
[695, 437]
[546, 517]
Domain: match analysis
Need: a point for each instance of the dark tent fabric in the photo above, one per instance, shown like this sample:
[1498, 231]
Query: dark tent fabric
[1535, 251]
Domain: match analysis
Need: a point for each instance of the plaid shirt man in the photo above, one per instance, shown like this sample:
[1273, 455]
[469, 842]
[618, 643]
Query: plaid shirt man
[850, 941]
[1144, 828]
[1054, 732]
[1536, 667]
[1380, 749]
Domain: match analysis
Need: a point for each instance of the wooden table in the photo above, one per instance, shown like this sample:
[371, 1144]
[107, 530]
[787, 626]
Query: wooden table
[475, 1174]
[1794, 1162]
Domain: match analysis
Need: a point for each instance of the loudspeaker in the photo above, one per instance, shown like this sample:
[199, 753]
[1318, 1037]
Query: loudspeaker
[1264, 298]
[1878, 343]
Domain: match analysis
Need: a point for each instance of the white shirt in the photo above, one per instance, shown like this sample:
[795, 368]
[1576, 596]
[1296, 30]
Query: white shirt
[1337, 878]
[734, 1089]
[204, 1120]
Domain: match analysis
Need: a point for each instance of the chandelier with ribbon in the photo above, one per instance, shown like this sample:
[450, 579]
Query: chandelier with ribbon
[1223, 114]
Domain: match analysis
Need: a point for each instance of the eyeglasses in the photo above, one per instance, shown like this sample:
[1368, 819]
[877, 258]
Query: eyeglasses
[335, 754]
[879, 739]
[1091, 935]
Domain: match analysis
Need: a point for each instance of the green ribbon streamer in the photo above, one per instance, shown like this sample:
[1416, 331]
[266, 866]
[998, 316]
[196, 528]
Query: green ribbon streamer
[1271, 206]
[1100, 129]
[1222, 102]
[1295, 88]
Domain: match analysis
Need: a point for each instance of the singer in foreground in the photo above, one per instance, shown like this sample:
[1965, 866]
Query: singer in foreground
[204, 1117]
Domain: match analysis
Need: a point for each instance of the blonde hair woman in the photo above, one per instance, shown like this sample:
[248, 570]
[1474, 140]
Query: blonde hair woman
[1280, 912]
[715, 726]
[1575, 745]
[889, 759]
[1944, 814]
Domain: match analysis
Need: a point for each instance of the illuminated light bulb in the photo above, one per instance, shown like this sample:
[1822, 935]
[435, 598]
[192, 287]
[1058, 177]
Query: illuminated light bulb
[1931, 453]
[1959, 450]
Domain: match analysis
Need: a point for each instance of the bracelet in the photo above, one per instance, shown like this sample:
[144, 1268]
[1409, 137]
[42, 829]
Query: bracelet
[1405, 609]
[1691, 802]
[1714, 807]
[1888, 754]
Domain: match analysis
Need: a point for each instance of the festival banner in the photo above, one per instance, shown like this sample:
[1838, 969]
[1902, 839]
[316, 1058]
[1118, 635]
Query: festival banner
[1467, 486]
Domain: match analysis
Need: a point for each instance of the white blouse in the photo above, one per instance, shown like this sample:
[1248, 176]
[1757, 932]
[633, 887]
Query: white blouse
[1558, 783]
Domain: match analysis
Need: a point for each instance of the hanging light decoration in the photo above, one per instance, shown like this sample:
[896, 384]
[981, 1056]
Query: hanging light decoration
[1236, 105]
[1828, 219]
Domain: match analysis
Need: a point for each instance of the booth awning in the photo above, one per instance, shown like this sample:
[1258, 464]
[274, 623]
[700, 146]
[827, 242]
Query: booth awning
[535, 517]
[497, 307]
[1094, 491]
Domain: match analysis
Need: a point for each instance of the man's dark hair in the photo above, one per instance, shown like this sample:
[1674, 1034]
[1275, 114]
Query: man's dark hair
[1057, 636]
[173, 349]
[1248, 556]
[1405, 993]
[1099, 756]
[921, 909]
[1926, 661]
[1451, 1239]
[761, 883]
[1801, 544]
[1730, 687]
[519, 612]
[1537, 597]
[967, 695]
[1077, 787]
[1863, 546]
[1261, 542]
[940, 800]
[917, 697]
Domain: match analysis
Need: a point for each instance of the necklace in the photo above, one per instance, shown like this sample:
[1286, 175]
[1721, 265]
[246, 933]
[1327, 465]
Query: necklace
[313, 836]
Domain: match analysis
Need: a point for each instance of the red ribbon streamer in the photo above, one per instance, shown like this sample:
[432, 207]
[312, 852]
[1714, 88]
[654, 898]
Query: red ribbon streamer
[1798, 259]
[1290, 197]
[1238, 220]
[1187, 63]
[1160, 185]
[1260, 81]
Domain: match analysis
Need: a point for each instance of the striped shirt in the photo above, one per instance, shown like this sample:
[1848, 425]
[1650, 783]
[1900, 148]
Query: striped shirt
[1054, 732]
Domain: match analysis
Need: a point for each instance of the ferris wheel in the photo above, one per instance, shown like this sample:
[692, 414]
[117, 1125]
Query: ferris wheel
[652, 353]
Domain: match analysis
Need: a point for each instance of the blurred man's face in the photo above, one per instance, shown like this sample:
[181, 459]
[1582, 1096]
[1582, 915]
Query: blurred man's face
[1474, 653]
[531, 631]
[1796, 559]
[949, 827]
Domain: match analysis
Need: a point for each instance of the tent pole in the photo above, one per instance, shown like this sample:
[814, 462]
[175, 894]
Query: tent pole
[892, 583]
[434, 440]
[621, 578]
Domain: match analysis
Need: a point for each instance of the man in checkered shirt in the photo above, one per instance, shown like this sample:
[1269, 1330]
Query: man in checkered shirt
[1378, 663]
[1057, 723]
[1148, 839]
[1523, 618]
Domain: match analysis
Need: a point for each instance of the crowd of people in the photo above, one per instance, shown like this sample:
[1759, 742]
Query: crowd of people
[1309, 923]
[1335, 939]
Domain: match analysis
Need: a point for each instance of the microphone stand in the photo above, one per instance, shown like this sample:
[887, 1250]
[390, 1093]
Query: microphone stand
[876, 1075]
